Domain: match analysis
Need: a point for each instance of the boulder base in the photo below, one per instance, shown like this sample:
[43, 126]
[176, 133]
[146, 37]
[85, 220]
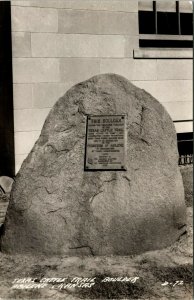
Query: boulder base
[58, 208]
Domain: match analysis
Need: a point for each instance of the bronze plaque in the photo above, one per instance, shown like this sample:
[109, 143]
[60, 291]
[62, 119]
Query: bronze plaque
[105, 142]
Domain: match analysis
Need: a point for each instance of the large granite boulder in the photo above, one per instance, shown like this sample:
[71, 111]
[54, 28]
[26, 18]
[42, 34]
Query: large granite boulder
[58, 208]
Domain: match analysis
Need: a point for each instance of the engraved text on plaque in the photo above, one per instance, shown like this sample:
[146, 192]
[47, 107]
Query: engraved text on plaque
[105, 143]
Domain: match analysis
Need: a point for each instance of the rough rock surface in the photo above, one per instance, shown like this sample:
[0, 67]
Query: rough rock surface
[6, 184]
[57, 208]
[5, 189]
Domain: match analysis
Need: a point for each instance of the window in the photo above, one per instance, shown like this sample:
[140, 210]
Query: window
[169, 21]
[185, 148]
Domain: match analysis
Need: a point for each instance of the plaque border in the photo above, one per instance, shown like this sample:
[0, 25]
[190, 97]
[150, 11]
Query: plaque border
[125, 143]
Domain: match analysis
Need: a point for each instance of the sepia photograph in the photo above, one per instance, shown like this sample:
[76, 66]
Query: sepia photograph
[96, 149]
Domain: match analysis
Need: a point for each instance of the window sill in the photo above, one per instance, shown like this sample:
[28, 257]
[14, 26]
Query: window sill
[162, 53]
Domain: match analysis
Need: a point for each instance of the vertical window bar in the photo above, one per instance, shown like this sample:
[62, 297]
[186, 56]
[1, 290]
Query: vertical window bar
[178, 16]
[155, 16]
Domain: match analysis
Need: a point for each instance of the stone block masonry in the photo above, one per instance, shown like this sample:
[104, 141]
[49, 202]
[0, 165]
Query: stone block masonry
[77, 45]
[98, 22]
[34, 19]
[21, 42]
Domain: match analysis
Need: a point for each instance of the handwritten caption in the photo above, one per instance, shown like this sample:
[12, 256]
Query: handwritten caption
[173, 284]
[65, 283]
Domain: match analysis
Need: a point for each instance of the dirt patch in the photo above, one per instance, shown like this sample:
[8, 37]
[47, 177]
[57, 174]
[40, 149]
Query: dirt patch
[114, 290]
[154, 280]
[177, 273]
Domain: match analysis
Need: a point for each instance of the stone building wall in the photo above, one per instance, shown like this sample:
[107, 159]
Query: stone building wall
[59, 43]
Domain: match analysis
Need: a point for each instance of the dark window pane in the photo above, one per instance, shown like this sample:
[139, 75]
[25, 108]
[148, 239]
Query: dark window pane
[185, 143]
[167, 23]
[186, 23]
[185, 136]
[146, 22]
[165, 43]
